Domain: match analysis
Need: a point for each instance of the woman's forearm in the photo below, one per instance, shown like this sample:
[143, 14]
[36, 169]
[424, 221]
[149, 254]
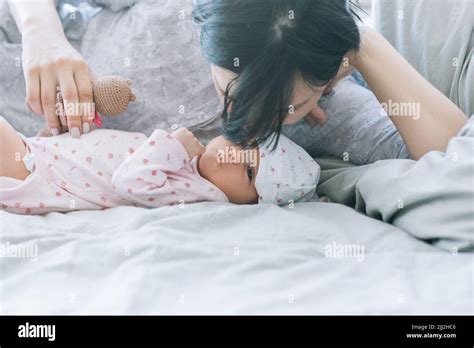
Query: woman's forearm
[36, 16]
[425, 118]
[49, 61]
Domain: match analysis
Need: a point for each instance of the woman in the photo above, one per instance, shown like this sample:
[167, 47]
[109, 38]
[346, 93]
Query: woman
[272, 61]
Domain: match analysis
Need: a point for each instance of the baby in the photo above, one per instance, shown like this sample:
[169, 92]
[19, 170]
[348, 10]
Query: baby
[109, 168]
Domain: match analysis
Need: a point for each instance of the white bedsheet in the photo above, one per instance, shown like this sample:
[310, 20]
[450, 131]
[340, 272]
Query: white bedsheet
[221, 258]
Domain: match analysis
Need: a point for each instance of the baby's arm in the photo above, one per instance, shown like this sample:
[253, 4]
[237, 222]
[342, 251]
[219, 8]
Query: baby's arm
[149, 176]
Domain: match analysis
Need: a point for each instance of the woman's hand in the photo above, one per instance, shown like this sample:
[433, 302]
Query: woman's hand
[50, 61]
[189, 141]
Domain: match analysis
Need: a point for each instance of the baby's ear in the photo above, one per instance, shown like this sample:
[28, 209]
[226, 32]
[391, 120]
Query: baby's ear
[129, 82]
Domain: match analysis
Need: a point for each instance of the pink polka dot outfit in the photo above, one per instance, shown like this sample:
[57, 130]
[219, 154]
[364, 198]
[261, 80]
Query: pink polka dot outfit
[105, 169]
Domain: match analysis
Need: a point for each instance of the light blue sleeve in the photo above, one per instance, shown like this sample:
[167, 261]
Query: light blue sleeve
[75, 15]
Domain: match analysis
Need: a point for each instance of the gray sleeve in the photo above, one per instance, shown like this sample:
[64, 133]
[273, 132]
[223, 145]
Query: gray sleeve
[357, 128]
[431, 199]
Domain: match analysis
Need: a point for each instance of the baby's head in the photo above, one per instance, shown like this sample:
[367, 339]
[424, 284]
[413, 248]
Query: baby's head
[259, 175]
[232, 169]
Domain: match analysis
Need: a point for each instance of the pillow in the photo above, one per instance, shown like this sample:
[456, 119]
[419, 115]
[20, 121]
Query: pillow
[154, 44]
[157, 46]
[114, 5]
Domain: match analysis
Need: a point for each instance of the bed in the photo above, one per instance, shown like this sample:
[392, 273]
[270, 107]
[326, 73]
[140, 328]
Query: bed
[341, 257]
[212, 258]
[356, 254]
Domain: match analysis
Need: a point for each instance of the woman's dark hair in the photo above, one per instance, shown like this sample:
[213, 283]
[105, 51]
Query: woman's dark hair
[269, 44]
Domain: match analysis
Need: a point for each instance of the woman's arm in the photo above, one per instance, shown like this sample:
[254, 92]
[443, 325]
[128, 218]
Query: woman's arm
[29, 14]
[432, 119]
[49, 61]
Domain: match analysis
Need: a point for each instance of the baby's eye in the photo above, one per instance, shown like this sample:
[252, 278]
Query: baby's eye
[250, 173]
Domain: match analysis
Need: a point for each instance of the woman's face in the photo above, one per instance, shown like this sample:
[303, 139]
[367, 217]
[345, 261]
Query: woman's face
[304, 103]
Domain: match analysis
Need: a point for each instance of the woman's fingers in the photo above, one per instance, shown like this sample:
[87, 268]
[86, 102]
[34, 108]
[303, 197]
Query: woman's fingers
[72, 108]
[57, 63]
[33, 95]
[82, 77]
[48, 100]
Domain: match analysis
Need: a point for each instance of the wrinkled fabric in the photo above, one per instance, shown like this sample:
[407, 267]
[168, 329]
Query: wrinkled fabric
[220, 258]
[432, 198]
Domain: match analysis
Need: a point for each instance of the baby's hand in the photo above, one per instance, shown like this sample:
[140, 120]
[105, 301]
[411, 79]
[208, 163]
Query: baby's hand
[189, 141]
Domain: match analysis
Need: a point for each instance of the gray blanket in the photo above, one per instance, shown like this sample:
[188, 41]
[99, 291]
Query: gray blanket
[432, 198]
[219, 258]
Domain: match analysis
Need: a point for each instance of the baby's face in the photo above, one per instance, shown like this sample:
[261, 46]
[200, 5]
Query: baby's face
[232, 169]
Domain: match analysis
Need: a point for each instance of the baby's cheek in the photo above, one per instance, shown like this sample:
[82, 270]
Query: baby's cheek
[206, 166]
[254, 194]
